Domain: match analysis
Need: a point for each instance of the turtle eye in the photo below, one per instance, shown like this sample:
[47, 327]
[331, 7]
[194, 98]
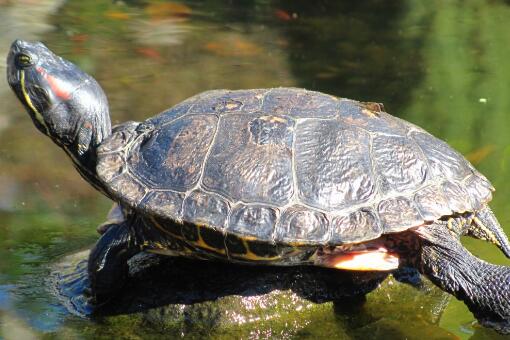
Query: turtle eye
[23, 60]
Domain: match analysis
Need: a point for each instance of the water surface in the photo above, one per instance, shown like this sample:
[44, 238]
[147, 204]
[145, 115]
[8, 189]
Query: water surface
[442, 65]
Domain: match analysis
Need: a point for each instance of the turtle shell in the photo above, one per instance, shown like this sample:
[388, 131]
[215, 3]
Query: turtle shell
[287, 166]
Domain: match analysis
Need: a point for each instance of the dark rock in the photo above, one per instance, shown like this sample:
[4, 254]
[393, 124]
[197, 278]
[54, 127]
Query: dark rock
[181, 297]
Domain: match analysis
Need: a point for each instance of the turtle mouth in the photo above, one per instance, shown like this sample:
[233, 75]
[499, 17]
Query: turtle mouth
[13, 73]
[26, 83]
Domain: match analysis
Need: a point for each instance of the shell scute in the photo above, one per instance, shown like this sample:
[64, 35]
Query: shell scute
[285, 167]
[333, 165]
[431, 202]
[239, 101]
[398, 162]
[163, 203]
[173, 157]
[443, 160]
[251, 159]
[302, 225]
[398, 214]
[459, 200]
[356, 226]
[253, 220]
[204, 208]
[111, 166]
[354, 113]
[280, 101]
[479, 189]
[122, 135]
[130, 188]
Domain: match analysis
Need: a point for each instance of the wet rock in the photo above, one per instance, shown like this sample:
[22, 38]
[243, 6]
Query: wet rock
[180, 297]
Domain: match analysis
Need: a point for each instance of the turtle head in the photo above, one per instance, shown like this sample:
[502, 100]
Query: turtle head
[64, 102]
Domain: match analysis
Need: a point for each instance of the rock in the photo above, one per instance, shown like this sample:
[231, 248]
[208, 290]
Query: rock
[181, 297]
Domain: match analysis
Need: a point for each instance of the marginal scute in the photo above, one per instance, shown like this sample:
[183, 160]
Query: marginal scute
[479, 189]
[333, 166]
[458, 198]
[357, 226]
[300, 224]
[398, 162]
[163, 204]
[128, 189]
[206, 209]
[431, 202]
[110, 166]
[398, 214]
[253, 220]
[173, 157]
[251, 166]
[121, 135]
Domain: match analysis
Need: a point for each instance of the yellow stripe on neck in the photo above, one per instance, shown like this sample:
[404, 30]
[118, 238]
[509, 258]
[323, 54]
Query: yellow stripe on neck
[37, 114]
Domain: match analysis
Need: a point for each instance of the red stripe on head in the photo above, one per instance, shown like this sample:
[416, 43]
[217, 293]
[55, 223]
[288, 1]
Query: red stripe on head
[55, 84]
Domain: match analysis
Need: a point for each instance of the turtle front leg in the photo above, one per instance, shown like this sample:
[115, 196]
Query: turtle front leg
[108, 261]
[484, 287]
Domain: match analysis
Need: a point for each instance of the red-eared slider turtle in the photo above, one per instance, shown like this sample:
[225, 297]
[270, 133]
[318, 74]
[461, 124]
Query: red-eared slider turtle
[279, 176]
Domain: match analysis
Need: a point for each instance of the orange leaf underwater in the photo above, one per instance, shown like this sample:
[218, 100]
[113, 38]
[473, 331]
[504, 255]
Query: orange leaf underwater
[168, 10]
[233, 48]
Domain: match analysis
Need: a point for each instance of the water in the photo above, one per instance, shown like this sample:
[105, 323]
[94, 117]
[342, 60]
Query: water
[442, 65]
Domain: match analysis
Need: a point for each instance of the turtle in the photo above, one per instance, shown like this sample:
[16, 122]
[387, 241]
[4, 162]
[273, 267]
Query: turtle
[279, 176]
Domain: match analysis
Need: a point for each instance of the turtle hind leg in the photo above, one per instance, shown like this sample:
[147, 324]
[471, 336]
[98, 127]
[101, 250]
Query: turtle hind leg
[484, 287]
[486, 227]
[108, 262]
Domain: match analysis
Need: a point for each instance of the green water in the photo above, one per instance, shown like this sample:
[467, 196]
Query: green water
[441, 64]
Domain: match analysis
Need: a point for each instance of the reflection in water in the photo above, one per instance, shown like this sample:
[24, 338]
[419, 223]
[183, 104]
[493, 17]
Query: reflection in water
[430, 63]
[19, 18]
[367, 50]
